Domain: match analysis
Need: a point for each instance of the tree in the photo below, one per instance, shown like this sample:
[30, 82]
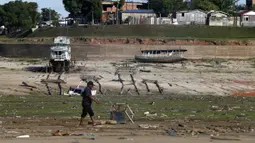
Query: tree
[97, 9]
[205, 5]
[164, 7]
[74, 7]
[49, 14]
[222, 5]
[119, 4]
[18, 15]
[84, 8]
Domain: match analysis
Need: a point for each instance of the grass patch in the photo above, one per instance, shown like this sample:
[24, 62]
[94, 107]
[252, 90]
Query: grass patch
[173, 107]
[168, 31]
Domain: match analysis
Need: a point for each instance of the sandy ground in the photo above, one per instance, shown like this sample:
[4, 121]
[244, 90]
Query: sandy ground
[190, 78]
[161, 139]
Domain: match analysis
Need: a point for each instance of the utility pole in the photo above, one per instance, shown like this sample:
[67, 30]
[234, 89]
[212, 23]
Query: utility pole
[117, 13]
[92, 11]
[49, 14]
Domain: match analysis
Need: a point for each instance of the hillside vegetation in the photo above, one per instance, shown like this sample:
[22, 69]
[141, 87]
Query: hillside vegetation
[175, 32]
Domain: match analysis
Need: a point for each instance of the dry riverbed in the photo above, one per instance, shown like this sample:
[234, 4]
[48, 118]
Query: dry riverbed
[197, 100]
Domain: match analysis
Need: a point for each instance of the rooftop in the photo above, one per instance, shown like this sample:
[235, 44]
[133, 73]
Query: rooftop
[135, 1]
[138, 11]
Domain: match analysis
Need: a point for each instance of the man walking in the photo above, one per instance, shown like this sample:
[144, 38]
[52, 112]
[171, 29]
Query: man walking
[87, 99]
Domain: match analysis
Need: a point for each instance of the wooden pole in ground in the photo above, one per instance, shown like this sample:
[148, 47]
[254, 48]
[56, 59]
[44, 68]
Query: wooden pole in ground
[46, 84]
[147, 87]
[159, 88]
[48, 88]
[60, 89]
[99, 85]
[133, 80]
[122, 84]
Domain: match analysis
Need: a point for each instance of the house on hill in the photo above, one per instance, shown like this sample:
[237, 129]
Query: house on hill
[217, 18]
[110, 10]
[248, 19]
[191, 17]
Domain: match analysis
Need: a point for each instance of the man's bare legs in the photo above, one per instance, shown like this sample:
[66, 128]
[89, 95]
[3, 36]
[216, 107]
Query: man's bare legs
[93, 120]
[81, 121]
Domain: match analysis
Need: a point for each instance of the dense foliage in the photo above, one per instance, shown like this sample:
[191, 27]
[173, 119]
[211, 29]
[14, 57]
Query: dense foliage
[19, 15]
[49, 14]
[164, 7]
[84, 8]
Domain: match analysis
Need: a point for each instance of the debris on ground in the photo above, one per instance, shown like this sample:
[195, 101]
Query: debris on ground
[224, 138]
[148, 114]
[60, 133]
[12, 132]
[82, 134]
[163, 116]
[23, 136]
[91, 139]
[172, 132]
[124, 138]
[147, 126]
[103, 122]
[144, 70]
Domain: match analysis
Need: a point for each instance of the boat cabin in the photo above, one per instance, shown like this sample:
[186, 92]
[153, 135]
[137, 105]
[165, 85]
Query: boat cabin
[172, 52]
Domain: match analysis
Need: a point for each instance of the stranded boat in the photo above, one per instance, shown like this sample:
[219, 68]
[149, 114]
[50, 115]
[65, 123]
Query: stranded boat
[161, 56]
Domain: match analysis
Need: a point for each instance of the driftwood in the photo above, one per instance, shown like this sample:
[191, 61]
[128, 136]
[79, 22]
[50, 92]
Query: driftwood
[133, 81]
[56, 81]
[145, 81]
[225, 138]
[143, 70]
[27, 85]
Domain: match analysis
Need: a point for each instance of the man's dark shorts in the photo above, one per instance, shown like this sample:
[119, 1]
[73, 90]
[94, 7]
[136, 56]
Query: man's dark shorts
[87, 110]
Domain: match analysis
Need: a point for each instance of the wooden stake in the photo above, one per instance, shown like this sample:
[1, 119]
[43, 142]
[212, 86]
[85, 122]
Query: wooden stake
[159, 88]
[136, 89]
[99, 86]
[48, 88]
[60, 89]
[147, 87]
[122, 84]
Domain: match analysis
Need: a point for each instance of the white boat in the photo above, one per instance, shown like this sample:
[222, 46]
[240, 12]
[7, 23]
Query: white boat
[161, 56]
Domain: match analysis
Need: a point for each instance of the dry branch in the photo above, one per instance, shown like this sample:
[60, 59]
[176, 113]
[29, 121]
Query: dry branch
[56, 81]
[225, 138]
[26, 85]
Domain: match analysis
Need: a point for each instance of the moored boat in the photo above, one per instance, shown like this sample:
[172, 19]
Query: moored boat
[161, 56]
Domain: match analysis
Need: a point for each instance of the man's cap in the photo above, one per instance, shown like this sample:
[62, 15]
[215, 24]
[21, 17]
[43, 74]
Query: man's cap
[90, 83]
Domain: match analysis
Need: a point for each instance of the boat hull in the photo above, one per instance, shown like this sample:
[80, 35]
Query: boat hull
[152, 59]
